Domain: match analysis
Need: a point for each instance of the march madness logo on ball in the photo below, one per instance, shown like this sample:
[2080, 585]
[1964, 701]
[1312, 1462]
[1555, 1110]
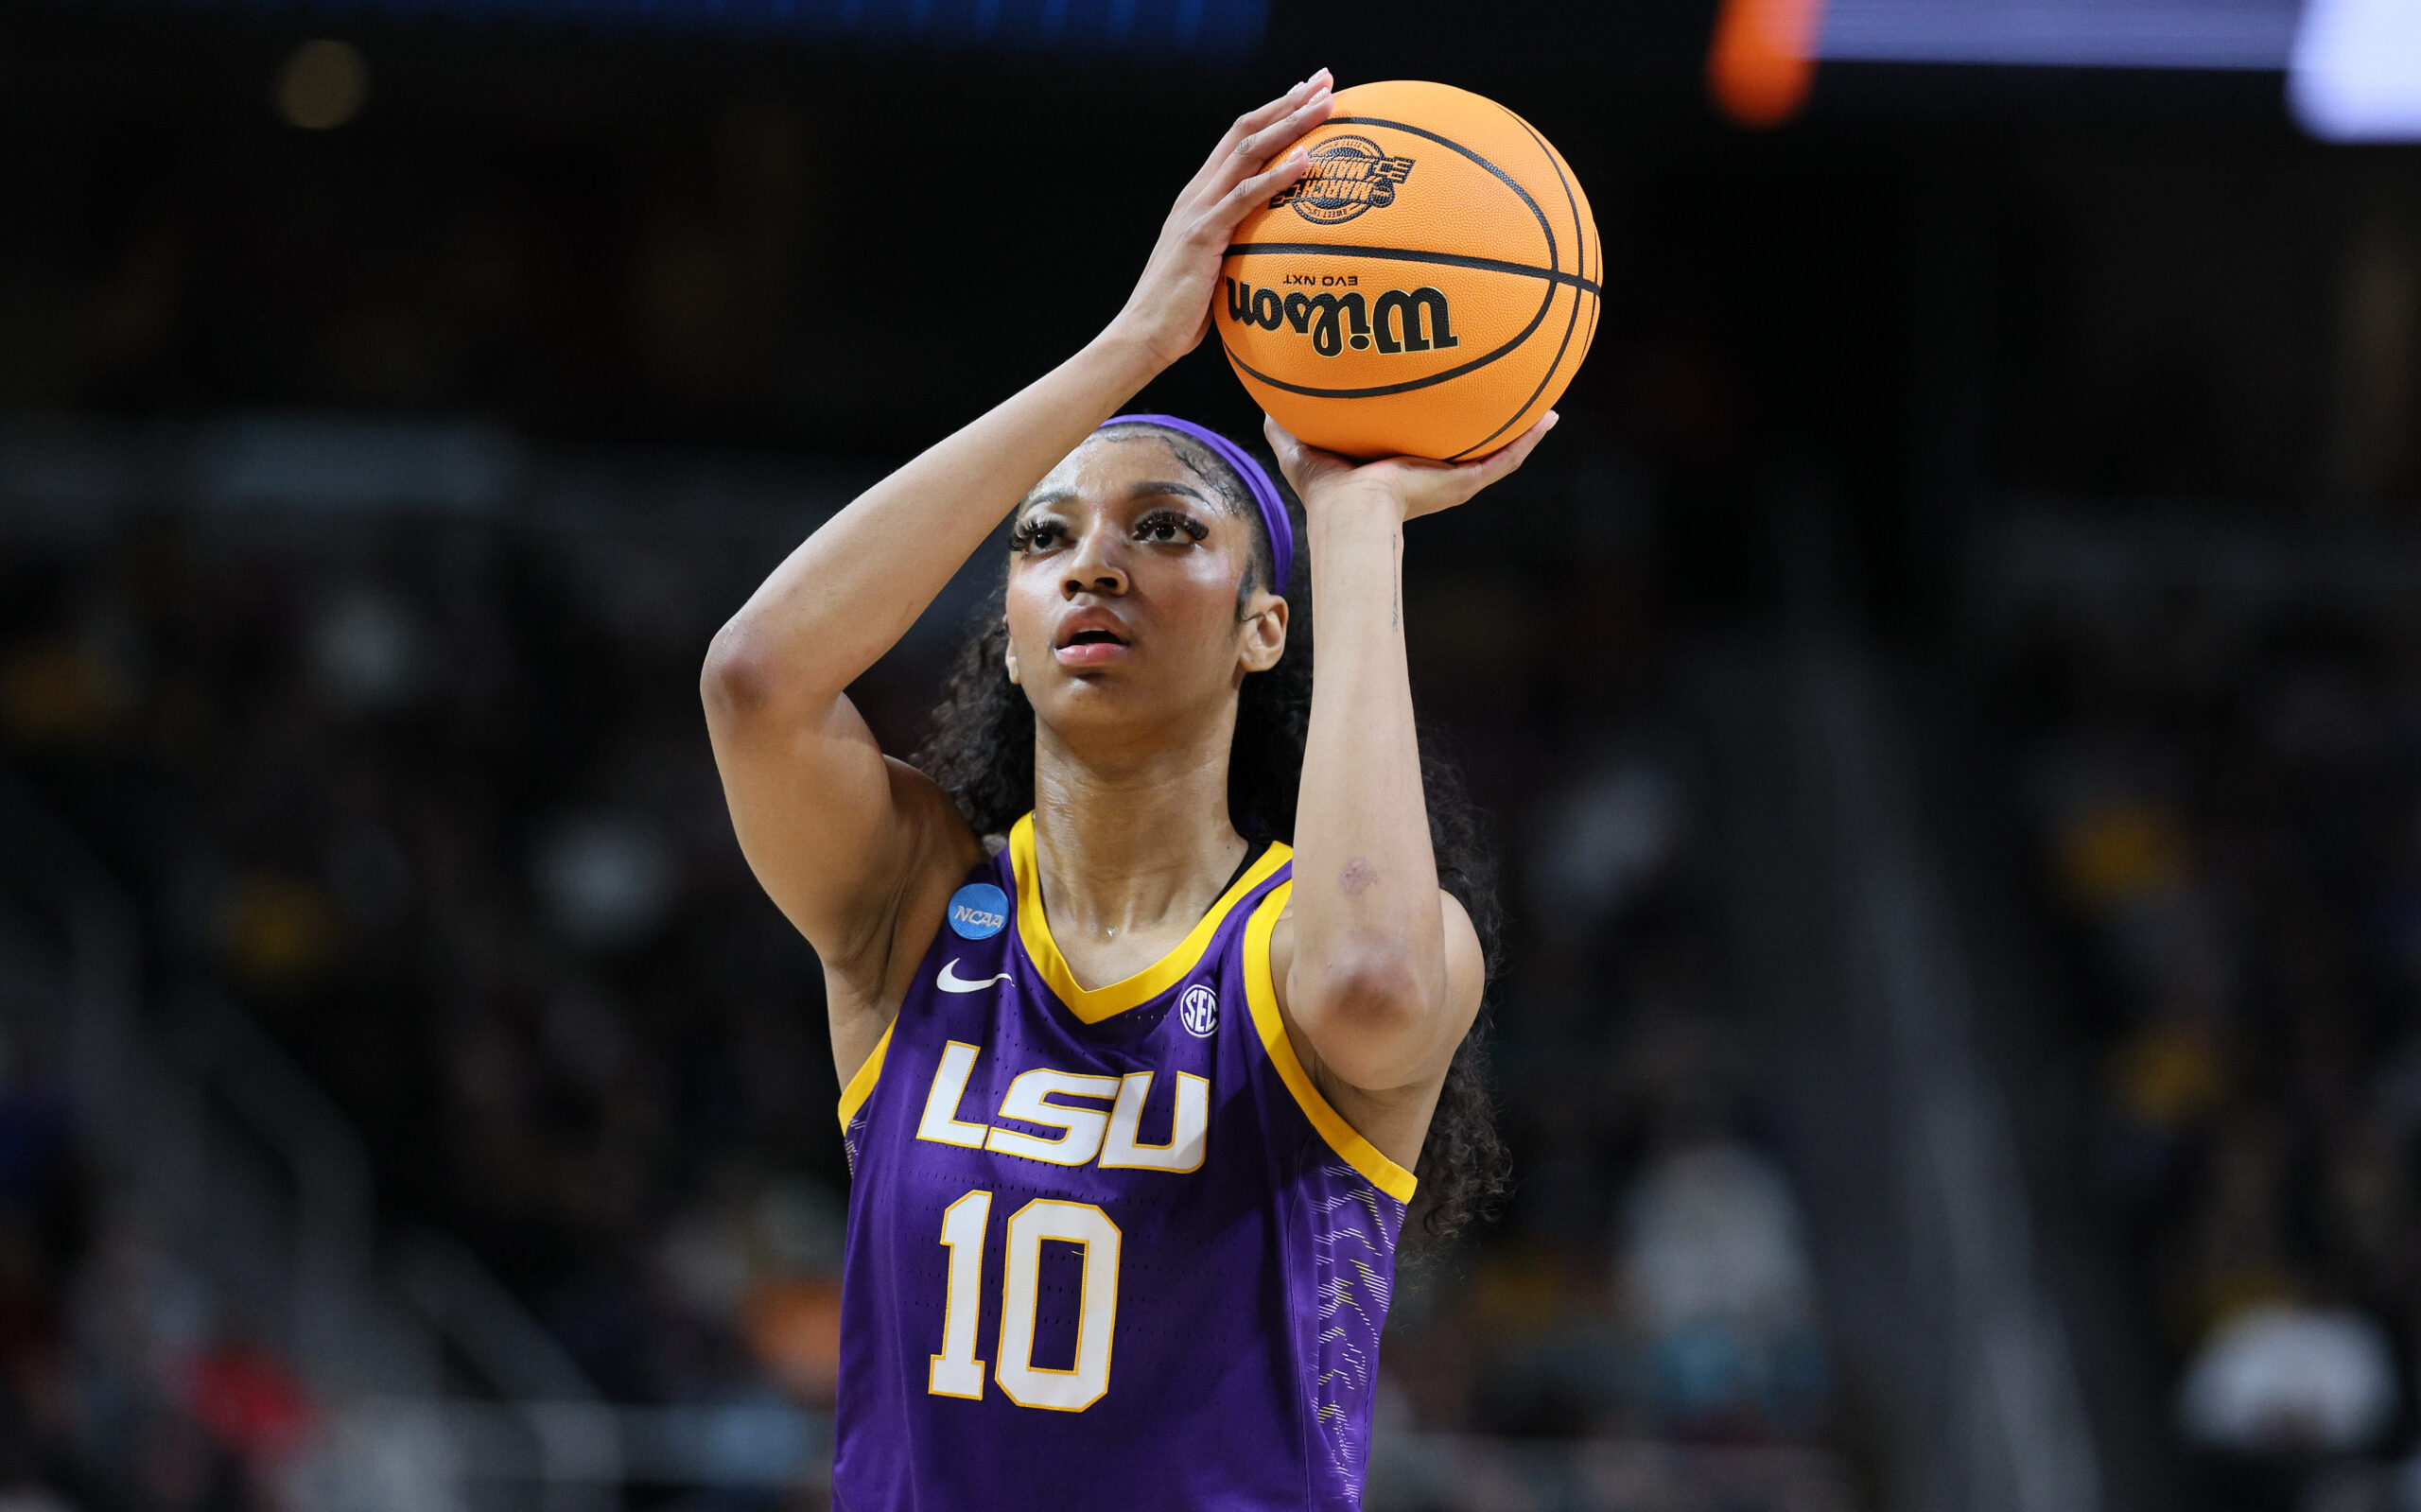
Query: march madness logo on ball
[1348, 175]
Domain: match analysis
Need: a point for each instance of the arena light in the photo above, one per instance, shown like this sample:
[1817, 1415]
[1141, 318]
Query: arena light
[1763, 61]
[2222, 34]
[2356, 75]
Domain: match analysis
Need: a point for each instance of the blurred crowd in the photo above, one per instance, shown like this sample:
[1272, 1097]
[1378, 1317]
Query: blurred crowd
[125, 1386]
[1652, 1277]
[430, 799]
[459, 847]
[2227, 798]
[414, 777]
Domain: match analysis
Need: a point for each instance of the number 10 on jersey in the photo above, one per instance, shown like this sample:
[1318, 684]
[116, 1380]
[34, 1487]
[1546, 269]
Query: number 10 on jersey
[956, 1372]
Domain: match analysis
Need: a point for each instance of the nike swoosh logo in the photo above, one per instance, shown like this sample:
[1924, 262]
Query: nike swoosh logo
[950, 981]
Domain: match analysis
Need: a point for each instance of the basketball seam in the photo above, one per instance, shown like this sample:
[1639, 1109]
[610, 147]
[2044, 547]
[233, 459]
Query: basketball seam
[1409, 385]
[1580, 254]
[1407, 254]
[1545, 228]
[1555, 160]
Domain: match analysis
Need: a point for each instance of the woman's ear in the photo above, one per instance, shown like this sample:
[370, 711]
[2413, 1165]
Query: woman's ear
[1264, 633]
[1010, 657]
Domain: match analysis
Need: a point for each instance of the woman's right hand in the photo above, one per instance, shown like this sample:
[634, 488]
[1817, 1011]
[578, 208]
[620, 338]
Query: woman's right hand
[1169, 313]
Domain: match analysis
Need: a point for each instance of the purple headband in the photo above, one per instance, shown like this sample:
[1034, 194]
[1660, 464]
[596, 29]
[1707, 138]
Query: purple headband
[1265, 493]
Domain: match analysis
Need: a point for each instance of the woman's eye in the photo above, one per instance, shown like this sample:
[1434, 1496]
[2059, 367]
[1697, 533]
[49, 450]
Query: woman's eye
[1167, 530]
[1037, 537]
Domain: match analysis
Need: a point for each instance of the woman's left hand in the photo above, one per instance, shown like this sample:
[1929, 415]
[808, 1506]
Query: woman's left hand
[1416, 486]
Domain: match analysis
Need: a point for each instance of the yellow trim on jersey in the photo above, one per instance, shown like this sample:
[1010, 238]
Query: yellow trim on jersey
[1261, 996]
[1093, 1004]
[853, 1096]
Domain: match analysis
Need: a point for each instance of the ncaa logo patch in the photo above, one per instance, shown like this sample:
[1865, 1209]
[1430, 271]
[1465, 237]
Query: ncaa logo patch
[1198, 1011]
[978, 911]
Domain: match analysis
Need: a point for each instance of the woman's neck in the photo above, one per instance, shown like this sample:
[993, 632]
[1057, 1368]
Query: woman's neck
[1132, 852]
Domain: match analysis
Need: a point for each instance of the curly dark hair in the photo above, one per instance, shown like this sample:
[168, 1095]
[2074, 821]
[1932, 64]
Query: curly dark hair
[981, 754]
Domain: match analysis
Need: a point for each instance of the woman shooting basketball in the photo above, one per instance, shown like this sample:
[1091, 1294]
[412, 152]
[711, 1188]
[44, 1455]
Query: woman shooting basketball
[1134, 1094]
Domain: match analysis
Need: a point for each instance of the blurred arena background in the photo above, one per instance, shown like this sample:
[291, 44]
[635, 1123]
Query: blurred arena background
[1949, 697]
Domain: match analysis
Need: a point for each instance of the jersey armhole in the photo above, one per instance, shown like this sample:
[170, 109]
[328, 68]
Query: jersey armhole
[1261, 999]
[853, 1096]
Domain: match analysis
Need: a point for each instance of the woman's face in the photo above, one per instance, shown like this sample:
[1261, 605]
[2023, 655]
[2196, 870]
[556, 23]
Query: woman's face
[1123, 616]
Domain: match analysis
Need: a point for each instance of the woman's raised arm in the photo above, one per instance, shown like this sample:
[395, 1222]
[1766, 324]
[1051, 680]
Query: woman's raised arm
[846, 843]
[1379, 969]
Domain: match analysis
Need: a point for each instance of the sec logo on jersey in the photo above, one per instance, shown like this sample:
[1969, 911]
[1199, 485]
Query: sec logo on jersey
[1198, 1011]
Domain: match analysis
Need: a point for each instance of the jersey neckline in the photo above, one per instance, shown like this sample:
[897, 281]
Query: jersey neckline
[1092, 1005]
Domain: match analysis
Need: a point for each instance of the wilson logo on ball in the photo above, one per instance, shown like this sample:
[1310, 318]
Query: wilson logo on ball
[1348, 175]
[1398, 320]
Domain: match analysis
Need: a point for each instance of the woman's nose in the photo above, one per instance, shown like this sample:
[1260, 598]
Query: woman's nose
[1094, 566]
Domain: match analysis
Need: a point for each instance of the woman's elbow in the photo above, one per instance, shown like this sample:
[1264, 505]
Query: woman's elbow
[1368, 995]
[741, 676]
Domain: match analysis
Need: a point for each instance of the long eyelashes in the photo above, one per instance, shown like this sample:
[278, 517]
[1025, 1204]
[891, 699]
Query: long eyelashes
[1040, 528]
[1172, 519]
[1156, 527]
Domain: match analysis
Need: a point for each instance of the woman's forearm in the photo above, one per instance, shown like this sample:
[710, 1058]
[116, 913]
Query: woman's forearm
[848, 594]
[1369, 973]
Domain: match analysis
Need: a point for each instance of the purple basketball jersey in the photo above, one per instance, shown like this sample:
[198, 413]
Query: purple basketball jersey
[1108, 1247]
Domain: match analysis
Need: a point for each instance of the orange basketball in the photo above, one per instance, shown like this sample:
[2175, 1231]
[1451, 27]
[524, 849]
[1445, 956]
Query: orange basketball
[1427, 288]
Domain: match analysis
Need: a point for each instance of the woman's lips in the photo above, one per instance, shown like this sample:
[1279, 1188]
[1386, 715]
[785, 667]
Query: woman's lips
[1090, 654]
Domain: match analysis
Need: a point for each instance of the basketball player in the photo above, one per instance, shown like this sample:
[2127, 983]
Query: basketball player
[1143, 988]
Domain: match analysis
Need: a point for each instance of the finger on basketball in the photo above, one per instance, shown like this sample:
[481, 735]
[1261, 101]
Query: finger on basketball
[1261, 145]
[1261, 185]
[1317, 81]
[1212, 175]
[1254, 120]
[1247, 124]
[1252, 155]
[1442, 487]
[1515, 452]
[1302, 464]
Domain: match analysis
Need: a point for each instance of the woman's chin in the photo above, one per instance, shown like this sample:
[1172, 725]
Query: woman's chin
[1104, 708]
[1092, 698]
